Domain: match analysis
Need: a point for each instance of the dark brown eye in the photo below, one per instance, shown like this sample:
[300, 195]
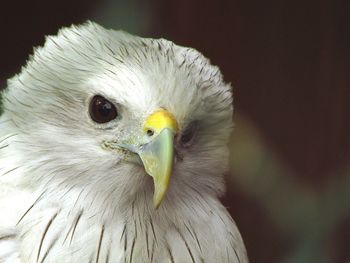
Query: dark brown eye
[188, 134]
[101, 110]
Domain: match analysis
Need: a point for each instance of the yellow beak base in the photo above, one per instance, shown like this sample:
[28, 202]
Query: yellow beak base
[158, 155]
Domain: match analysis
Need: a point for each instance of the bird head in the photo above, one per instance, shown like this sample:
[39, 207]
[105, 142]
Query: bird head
[119, 115]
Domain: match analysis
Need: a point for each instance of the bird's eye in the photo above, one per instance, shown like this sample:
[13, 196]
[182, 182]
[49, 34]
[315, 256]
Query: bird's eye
[188, 134]
[101, 110]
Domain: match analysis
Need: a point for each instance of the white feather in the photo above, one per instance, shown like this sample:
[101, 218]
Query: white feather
[64, 198]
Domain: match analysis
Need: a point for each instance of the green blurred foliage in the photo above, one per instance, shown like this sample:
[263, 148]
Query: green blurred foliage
[133, 16]
[302, 214]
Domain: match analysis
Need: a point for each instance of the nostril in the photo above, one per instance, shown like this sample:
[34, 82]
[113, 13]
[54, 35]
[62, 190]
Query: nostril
[150, 132]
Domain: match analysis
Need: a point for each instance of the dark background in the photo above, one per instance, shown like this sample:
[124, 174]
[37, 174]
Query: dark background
[288, 62]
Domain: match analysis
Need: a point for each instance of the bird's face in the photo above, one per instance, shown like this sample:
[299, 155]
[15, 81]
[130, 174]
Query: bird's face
[120, 114]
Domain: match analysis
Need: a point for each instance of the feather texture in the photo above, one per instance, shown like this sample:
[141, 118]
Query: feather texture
[64, 198]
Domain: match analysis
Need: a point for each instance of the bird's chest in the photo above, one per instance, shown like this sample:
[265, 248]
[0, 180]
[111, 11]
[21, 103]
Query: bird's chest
[90, 232]
[57, 237]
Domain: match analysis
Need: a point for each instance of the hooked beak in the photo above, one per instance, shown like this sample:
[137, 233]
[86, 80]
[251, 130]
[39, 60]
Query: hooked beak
[157, 154]
[158, 157]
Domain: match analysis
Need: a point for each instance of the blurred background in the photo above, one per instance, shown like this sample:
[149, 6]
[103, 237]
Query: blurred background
[288, 61]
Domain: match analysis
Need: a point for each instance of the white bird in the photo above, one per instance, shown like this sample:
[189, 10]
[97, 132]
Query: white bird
[113, 149]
